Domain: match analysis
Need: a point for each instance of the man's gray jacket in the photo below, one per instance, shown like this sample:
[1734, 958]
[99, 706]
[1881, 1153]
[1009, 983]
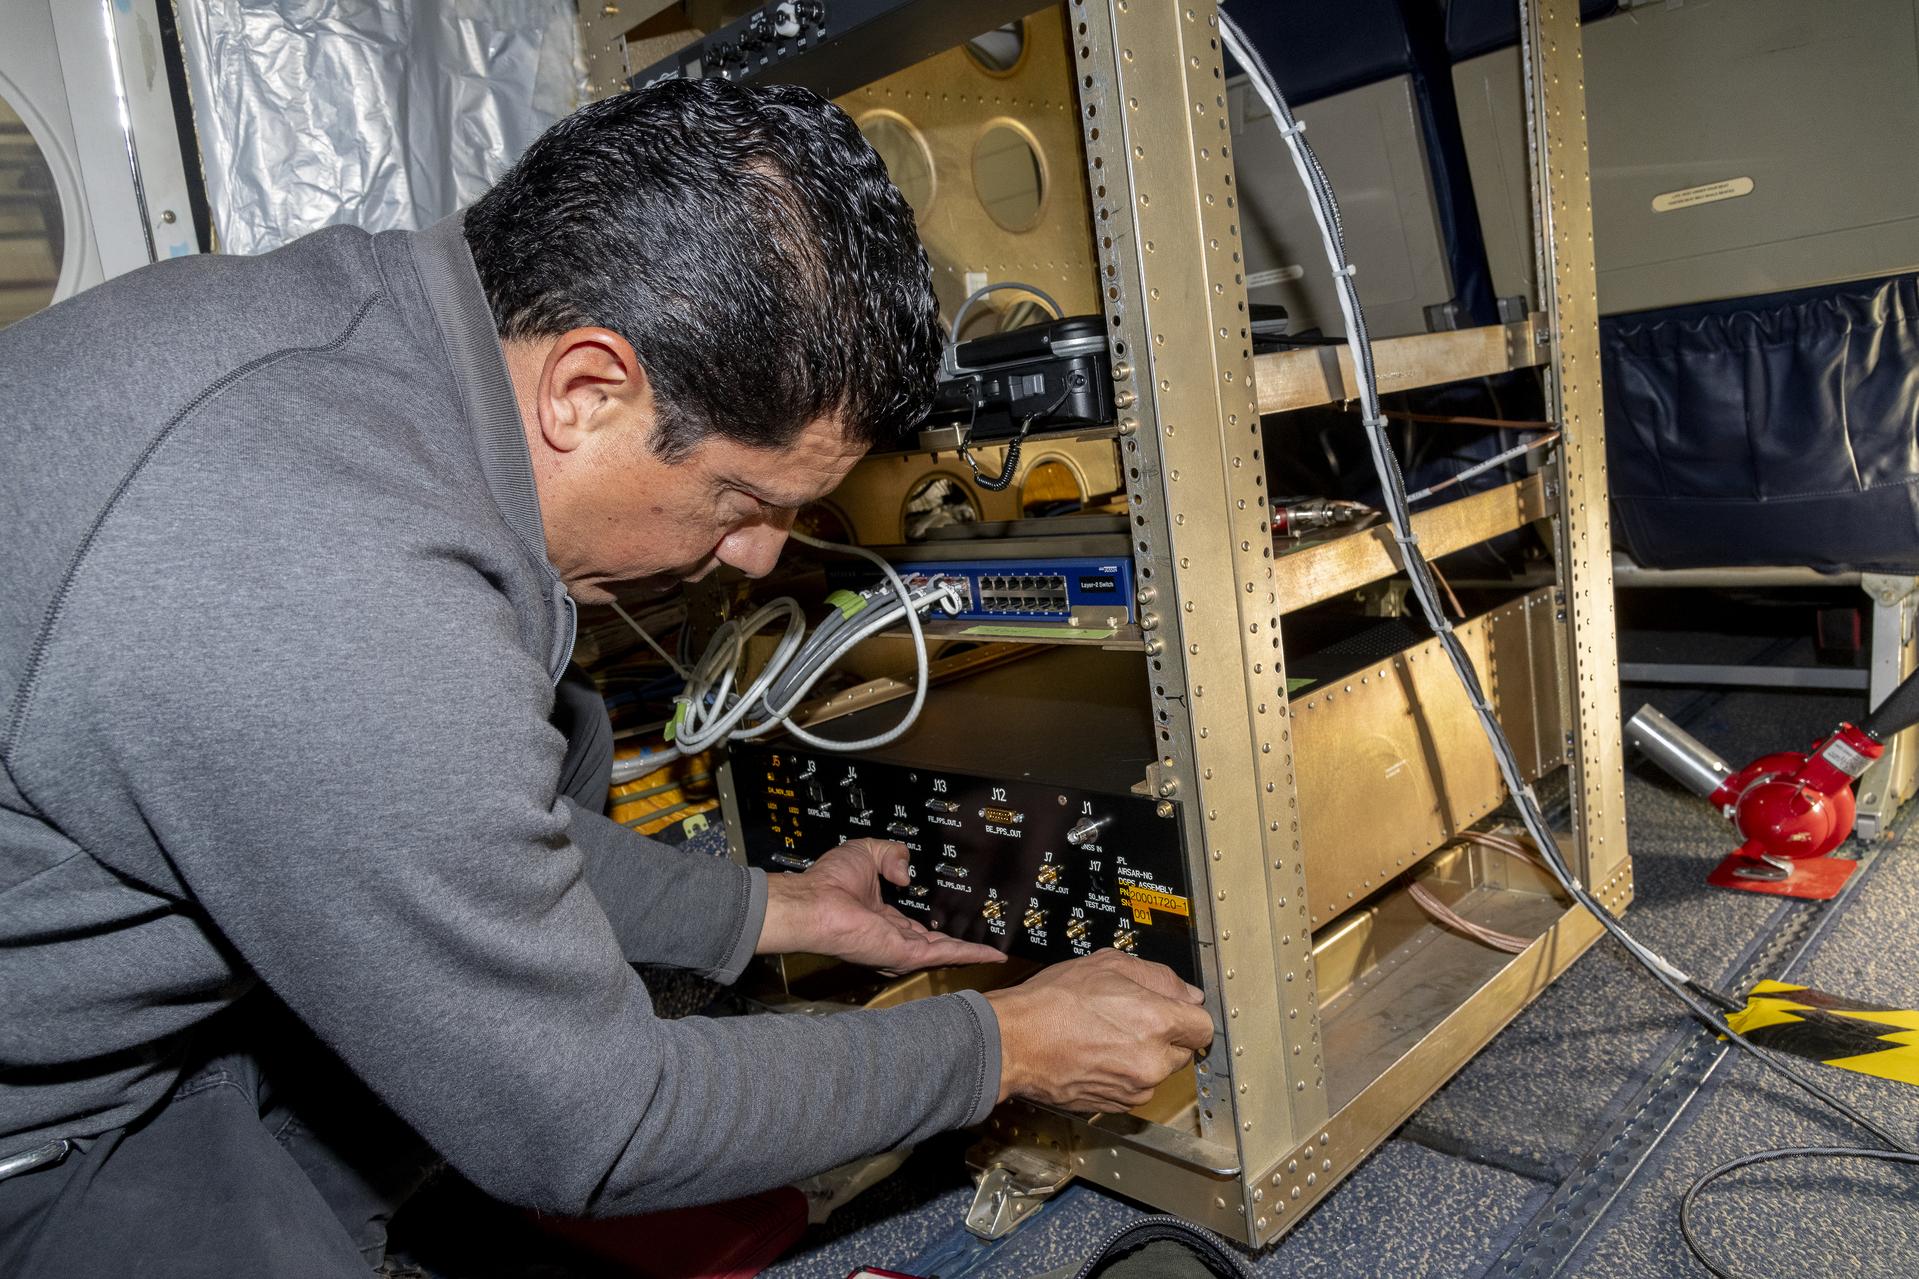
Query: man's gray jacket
[278, 639]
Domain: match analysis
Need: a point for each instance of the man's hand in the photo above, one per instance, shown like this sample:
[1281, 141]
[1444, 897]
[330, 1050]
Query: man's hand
[1097, 1034]
[834, 908]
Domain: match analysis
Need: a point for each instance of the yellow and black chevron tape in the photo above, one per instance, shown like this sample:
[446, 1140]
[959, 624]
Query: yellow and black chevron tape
[1848, 1033]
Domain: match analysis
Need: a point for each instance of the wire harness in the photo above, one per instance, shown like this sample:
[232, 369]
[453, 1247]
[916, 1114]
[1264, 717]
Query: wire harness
[715, 707]
[1698, 998]
[1430, 902]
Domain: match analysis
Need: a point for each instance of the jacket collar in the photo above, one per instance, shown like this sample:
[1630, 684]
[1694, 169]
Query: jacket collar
[459, 305]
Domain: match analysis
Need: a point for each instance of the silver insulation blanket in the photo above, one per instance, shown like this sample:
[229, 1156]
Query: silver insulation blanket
[371, 113]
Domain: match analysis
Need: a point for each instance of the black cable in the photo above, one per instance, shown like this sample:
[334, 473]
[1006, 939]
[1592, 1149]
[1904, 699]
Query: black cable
[1698, 1249]
[1006, 470]
[1712, 994]
[1011, 464]
[1419, 574]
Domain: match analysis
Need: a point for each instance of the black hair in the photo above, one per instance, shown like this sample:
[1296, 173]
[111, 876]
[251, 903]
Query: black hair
[744, 239]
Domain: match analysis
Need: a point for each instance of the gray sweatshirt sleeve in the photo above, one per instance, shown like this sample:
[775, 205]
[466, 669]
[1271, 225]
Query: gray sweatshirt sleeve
[671, 907]
[348, 761]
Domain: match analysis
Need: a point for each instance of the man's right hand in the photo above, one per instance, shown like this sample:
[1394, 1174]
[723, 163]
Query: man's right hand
[1097, 1034]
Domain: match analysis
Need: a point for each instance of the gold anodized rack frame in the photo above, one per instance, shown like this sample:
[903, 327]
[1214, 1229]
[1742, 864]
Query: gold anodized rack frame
[1270, 1132]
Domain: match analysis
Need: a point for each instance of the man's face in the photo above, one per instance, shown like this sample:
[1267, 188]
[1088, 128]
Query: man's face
[660, 523]
[615, 511]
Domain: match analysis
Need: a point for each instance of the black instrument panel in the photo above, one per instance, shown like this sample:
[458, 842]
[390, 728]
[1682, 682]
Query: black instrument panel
[1038, 871]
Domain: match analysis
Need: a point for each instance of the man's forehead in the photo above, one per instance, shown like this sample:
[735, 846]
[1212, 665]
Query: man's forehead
[808, 468]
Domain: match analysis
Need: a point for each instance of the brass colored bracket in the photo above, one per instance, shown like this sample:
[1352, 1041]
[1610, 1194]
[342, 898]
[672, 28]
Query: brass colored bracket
[1013, 1188]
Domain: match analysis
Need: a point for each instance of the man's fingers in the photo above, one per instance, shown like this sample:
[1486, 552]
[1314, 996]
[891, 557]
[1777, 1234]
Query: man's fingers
[1104, 1103]
[951, 950]
[905, 921]
[937, 949]
[1191, 1027]
[893, 859]
[1162, 981]
[886, 855]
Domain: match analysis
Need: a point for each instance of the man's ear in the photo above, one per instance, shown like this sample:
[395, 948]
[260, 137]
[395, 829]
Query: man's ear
[591, 381]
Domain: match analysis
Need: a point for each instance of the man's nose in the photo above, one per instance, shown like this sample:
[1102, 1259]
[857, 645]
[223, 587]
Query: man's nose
[755, 549]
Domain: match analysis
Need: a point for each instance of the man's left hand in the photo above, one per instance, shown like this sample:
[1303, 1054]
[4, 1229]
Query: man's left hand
[834, 908]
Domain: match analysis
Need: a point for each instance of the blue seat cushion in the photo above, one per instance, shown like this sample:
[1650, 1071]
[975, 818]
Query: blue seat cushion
[1777, 429]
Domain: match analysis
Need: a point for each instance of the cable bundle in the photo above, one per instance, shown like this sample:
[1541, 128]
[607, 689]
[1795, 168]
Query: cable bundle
[709, 710]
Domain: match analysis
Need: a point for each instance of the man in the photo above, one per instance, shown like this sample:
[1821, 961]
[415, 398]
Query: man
[289, 890]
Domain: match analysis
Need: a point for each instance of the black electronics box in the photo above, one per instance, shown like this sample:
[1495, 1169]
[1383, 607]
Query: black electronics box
[1052, 376]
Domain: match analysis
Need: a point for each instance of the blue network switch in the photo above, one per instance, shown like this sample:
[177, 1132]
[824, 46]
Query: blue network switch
[1030, 590]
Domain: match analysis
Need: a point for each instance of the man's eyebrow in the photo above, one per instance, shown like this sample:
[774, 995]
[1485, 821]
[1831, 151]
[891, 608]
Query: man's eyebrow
[775, 499]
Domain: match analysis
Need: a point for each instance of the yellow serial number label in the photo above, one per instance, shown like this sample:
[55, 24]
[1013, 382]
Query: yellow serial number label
[1150, 899]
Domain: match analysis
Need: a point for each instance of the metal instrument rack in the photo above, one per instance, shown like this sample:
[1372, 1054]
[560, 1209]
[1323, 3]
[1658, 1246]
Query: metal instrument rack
[1273, 1137]
[1339, 1008]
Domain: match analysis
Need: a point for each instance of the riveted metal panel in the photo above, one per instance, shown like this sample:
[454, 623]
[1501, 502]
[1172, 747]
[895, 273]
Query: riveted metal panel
[1291, 1185]
[1393, 763]
[1562, 194]
[944, 108]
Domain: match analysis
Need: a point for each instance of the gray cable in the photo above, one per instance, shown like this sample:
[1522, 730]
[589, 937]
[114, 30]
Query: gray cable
[1480, 468]
[949, 361]
[708, 711]
[651, 643]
